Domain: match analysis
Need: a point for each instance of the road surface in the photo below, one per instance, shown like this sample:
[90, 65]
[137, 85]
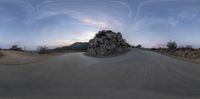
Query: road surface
[138, 74]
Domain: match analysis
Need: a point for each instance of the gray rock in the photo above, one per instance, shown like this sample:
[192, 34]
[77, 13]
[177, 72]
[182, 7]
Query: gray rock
[106, 43]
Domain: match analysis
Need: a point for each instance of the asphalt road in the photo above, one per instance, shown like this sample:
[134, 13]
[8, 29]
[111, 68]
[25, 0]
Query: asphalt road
[136, 75]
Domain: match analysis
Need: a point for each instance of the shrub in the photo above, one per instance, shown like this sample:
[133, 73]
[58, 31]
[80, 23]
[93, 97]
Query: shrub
[42, 49]
[16, 48]
[172, 45]
[154, 49]
[1, 54]
[139, 46]
[187, 47]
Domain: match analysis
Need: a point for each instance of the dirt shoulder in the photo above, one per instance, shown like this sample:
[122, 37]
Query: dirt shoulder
[18, 58]
[196, 60]
[181, 57]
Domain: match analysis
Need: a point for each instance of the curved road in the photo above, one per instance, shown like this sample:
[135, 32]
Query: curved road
[136, 75]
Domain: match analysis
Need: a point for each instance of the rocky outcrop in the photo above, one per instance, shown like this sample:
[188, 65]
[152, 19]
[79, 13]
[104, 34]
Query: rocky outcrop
[106, 43]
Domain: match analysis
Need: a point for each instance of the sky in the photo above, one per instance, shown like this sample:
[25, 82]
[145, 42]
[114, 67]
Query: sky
[151, 23]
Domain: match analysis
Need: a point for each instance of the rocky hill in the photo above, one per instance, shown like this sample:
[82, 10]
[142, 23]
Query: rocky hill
[106, 43]
[78, 46]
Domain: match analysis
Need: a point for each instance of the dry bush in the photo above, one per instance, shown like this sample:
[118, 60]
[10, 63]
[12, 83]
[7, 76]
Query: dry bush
[186, 48]
[139, 46]
[191, 54]
[184, 51]
[1, 54]
[16, 48]
[42, 49]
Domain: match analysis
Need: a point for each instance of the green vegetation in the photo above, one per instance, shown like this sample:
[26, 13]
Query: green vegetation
[15, 48]
[42, 50]
[139, 46]
[187, 47]
[78, 46]
[1, 54]
[172, 45]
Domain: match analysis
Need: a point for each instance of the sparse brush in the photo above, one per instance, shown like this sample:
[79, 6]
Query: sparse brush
[15, 48]
[1, 54]
[42, 49]
[187, 47]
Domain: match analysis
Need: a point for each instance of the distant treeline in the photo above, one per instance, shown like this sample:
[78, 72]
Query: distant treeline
[172, 45]
[78, 46]
[82, 47]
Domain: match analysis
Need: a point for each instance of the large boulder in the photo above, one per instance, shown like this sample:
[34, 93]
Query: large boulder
[106, 43]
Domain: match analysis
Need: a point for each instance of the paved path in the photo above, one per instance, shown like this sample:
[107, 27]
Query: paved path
[136, 75]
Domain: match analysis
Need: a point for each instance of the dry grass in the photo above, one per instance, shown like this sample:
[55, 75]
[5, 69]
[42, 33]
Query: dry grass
[16, 58]
[188, 54]
[191, 54]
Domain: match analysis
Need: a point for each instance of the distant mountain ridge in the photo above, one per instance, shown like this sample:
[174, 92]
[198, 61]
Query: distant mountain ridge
[77, 46]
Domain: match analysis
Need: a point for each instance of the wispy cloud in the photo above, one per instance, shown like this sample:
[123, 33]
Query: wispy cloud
[99, 24]
[130, 14]
[93, 15]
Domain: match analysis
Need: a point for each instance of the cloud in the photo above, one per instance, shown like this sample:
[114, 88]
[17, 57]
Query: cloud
[128, 7]
[6, 19]
[102, 15]
[149, 2]
[9, 7]
[100, 24]
[58, 43]
[76, 15]
[170, 14]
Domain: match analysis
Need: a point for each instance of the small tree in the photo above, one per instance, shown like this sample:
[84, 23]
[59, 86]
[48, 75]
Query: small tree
[1, 54]
[42, 49]
[16, 48]
[172, 45]
[139, 46]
